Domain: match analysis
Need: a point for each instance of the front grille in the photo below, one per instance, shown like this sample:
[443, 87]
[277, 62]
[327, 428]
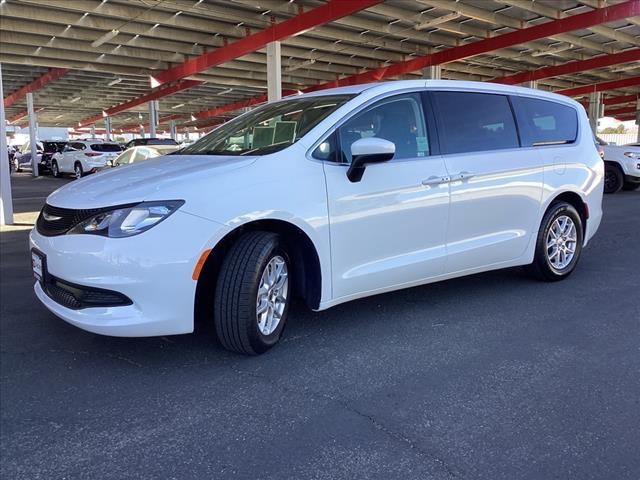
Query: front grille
[76, 297]
[61, 220]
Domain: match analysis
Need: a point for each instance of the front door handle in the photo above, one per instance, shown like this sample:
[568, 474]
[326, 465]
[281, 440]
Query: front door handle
[461, 176]
[434, 180]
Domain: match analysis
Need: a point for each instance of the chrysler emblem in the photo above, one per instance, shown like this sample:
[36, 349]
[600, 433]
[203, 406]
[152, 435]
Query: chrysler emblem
[50, 218]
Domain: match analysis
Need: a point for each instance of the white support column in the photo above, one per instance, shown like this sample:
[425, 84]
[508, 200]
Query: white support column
[93, 132]
[274, 72]
[141, 131]
[595, 110]
[153, 117]
[6, 201]
[107, 127]
[173, 130]
[531, 84]
[432, 72]
[637, 119]
[33, 135]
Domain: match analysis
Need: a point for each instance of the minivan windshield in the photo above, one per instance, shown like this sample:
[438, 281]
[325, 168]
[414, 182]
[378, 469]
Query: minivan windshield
[267, 129]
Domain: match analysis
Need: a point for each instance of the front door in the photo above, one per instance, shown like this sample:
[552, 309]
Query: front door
[389, 228]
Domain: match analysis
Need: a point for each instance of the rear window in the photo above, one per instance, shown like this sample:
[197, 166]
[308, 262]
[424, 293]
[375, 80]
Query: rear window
[543, 122]
[105, 147]
[474, 122]
[161, 141]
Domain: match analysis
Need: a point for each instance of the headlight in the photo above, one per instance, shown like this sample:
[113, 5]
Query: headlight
[633, 155]
[127, 221]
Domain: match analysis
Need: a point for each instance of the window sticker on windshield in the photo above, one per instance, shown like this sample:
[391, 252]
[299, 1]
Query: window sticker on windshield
[423, 146]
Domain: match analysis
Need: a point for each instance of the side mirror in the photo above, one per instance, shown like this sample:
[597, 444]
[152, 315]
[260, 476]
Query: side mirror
[367, 151]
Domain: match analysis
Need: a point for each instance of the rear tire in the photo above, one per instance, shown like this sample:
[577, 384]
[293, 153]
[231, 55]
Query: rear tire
[559, 243]
[253, 293]
[628, 186]
[613, 178]
[77, 170]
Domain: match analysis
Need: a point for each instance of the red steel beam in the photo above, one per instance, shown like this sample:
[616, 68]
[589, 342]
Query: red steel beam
[554, 27]
[600, 87]
[619, 111]
[294, 26]
[571, 67]
[621, 99]
[153, 95]
[48, 77]
[230, 107]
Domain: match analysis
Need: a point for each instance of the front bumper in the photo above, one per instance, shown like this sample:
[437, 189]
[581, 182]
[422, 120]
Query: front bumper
[153, 269]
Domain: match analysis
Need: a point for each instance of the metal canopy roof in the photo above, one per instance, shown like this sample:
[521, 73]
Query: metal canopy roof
[155, 35]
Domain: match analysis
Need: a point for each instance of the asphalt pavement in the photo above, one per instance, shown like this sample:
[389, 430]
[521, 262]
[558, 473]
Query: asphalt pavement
[493, 376]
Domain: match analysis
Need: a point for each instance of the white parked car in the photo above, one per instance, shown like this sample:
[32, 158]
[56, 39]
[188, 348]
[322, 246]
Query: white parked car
[621, 166]
[141, 153]
[330, 196]
[81, 157]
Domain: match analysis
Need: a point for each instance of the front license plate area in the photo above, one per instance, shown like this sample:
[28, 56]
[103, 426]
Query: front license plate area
[38, 265]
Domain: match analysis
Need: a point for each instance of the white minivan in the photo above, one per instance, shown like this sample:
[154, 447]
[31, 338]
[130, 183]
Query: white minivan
[329, 196]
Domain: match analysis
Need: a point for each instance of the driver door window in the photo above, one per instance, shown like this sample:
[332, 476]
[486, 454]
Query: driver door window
[399, 119]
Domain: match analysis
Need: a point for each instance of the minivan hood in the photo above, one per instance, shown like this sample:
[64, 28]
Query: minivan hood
[171, 177]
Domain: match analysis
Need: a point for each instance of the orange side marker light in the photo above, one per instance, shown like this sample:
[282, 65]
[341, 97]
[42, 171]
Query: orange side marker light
[200, 264]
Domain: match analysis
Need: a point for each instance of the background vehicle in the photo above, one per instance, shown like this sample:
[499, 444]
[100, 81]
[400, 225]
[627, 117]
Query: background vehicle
[622, 166]
[50, 147]
[138, 154]
[150, 141]
[83, 157]
[22, 158]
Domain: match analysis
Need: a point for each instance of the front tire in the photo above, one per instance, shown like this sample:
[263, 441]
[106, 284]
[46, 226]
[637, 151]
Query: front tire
[559, 243]
[613, 178]
[253, 294]
[16, 166]
[54, 169]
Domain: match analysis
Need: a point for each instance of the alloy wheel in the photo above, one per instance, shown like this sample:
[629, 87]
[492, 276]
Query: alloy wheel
[561, 242]
[273, 292]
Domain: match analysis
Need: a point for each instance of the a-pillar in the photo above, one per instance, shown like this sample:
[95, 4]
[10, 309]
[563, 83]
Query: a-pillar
[33, 135]
[274, 72]
[432, 72]
[595, 110]
[6, 200]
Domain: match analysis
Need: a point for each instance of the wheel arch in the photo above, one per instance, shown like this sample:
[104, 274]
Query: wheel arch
[305, 263]
[577, 201]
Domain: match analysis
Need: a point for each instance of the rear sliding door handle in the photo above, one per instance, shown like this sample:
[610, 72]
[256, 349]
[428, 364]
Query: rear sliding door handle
[433, 180]
[461, 176]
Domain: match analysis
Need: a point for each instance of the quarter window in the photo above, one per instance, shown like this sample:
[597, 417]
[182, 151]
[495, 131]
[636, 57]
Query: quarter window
[543, 122]
[399, 119]
[472, 122]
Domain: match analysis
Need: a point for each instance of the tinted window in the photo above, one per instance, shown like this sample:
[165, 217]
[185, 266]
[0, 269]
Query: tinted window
[161, 141]
[105, 147]
[472, 122]
[543, 122]
[399, 119]
[78, 146]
